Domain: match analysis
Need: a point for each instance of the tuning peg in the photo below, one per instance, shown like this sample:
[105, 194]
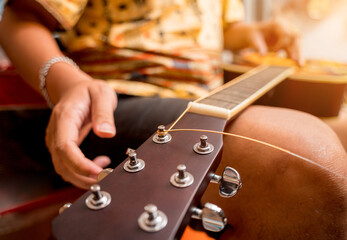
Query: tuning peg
[212, 216]
[98, 199]
[152, 220]
[181, 178]
[64, 207]
[104, 173]
[203, 147]
[133, 164]
[161, 136]
[229, 183]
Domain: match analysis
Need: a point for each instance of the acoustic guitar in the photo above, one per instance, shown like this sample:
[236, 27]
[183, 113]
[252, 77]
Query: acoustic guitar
[155, 192]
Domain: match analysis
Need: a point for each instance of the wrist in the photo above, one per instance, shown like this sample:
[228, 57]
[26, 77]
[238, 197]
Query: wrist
[61, 77]
[44, 72]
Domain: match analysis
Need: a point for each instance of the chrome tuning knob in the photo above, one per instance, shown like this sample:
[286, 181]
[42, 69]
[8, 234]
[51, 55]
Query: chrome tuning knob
[134, 164]
[229, 183]
[98, 199]
[203, 147]
[152, 220]
[161, 136]
[212, 217]
[181, 178]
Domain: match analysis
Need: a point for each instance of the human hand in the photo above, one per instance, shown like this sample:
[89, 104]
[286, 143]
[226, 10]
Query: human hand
[278, 35]
[272, 35]
[87, 105]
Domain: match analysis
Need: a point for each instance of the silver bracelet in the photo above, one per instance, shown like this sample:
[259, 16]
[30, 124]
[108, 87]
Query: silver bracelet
[44, 71]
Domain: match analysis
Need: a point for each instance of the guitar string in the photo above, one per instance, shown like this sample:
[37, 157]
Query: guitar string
[179, 118]
[263, 143]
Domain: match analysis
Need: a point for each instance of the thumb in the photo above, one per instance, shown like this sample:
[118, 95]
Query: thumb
[103, 104]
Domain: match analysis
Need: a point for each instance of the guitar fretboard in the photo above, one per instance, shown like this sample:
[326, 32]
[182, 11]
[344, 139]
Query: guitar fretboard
[244, 90]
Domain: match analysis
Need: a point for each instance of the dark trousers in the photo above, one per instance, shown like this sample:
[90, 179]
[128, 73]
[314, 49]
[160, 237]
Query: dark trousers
[24, 158]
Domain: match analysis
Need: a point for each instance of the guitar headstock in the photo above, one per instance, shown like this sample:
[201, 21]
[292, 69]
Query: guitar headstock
[150, 188]
[155, 185]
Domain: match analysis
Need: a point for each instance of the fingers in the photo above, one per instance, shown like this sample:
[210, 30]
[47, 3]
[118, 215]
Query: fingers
[294, 52]
[289, 40]
[69, 124]
[258, 42]
[281, 35]
[103, 105]
[78, 180]
[102, 161]
[76, 161]
[68, 175]
[63, 137]
[73, 166]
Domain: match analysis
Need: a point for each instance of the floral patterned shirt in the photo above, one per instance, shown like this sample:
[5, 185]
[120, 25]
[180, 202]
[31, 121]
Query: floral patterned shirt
[168, 48]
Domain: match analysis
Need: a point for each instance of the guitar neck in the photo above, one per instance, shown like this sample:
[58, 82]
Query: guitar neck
[239, 93]
[130, 192]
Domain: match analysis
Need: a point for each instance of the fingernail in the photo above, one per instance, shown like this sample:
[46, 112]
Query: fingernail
[106, 128]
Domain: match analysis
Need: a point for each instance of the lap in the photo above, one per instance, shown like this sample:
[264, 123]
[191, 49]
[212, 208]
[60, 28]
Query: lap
[284, 197]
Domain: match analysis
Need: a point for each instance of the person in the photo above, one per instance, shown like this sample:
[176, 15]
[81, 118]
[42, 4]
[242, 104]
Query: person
[171, 49]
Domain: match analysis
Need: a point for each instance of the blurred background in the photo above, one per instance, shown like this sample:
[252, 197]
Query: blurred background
[322, 23]
[323, 28]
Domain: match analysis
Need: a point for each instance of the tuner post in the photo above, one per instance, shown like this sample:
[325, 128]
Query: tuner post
[152, 220]
[181, 178]
[203, 147]
[133, 164]
[98, 199]
[162, 136]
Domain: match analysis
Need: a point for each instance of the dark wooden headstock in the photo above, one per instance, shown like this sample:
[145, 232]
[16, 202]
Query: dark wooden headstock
[130, 192]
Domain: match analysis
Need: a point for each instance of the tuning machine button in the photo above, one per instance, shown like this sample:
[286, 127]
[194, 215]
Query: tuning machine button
[134, 164]
[181, 178]
[152, 220]
[212, 216]
[229, 183]
[104, 173]
[64, 207]
[203, 147]
[161, 136]
[98, 199]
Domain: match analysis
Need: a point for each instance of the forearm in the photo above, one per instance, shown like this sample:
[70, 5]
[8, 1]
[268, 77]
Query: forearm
[29, 45]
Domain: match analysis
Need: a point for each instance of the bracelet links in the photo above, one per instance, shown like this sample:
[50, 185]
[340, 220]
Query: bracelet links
[44, 71]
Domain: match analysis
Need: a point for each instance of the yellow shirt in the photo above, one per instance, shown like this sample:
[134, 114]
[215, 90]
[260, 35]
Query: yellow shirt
[167, 48]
